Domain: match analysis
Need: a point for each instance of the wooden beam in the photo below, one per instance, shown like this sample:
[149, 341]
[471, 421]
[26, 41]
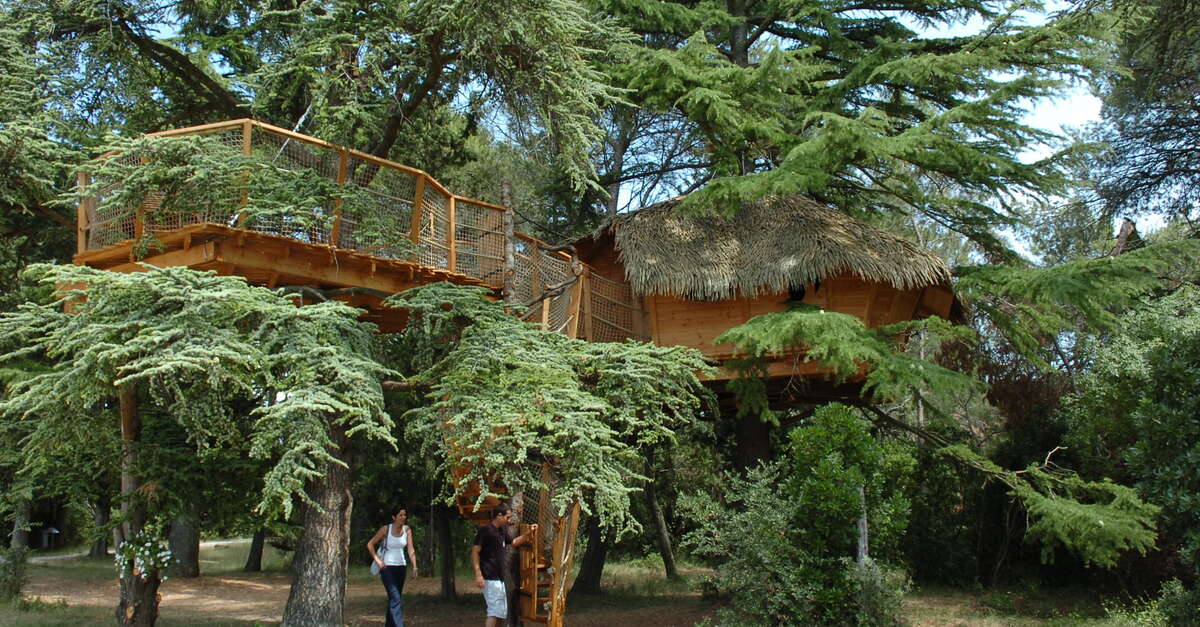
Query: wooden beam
[203, 128]
[187, 257]
[247, 138]
[348, 273]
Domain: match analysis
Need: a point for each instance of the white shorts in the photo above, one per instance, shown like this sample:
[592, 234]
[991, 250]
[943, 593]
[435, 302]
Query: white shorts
[496, 597]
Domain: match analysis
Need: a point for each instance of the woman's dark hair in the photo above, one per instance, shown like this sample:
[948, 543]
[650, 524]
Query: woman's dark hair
[396, 509]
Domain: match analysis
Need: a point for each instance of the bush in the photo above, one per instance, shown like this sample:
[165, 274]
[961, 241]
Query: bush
[12, 573]
[782, 536]
[880, 591]
[1178, 605]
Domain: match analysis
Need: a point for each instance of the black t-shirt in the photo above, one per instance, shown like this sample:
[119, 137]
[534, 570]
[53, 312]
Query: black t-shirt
[491, 541]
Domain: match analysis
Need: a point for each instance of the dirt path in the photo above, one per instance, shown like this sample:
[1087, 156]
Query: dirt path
[246, 599]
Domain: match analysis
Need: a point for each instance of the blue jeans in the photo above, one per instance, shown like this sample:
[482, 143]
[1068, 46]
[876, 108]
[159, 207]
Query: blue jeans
[393, 582]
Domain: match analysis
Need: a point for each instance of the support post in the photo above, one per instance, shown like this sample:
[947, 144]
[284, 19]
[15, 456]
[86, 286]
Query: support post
[335, 230]
[589, 329]
[576, 303]
[451, 235]
[81, 215]
[247, 137]
[510, 246]
[414, 230]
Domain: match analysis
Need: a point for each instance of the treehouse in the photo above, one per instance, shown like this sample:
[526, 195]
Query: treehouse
[691, 278]
[368, 228]
[371, 228]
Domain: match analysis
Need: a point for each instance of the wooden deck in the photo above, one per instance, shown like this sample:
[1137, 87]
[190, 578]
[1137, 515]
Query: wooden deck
[401, 228]
[442, 237]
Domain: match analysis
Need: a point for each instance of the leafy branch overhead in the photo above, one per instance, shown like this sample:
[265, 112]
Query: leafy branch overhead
[159, 331]
[844, 345]
[506, 397]
[1029, 305]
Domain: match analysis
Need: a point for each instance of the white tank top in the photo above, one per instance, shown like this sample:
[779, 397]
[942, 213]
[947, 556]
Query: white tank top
[393, 547]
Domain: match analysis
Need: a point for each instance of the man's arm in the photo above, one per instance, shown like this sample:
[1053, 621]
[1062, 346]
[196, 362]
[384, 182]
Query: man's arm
[523, 539]
[475, 563]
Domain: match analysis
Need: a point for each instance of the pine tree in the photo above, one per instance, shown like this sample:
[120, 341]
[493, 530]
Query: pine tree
[859, 105]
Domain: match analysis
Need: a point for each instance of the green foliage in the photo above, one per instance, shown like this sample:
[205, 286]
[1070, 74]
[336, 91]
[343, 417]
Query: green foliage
[1134, 415]
[941, 546]
[1149, 115]
[507, 397]
[843, 344]
[161, 331]
[867, 109]
[32, 160]
[1030, 305]
[1096, 520]
[782, 535]
[880, 593]
[1179, 606]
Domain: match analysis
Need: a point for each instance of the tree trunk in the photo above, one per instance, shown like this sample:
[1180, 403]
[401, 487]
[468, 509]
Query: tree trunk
[445, 541]
[184, 540]
[863, 549]
[100, 518]
[753, 441]
[512, 568]
[20, 528]
[138, 606]
[591, 567]
[318, 591]
[509, 294]
[254, 557]
[660, 522]
[139, 601]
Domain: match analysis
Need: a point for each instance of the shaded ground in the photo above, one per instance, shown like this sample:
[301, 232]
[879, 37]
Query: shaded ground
[79, 591]
[73, 591]
[951, 607]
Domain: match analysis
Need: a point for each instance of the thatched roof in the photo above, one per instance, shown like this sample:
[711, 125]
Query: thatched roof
[771, 244]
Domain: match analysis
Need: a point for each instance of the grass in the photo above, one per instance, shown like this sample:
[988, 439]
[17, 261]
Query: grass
[1017, 607]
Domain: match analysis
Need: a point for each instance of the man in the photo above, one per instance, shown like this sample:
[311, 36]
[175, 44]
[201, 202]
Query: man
[487, 556]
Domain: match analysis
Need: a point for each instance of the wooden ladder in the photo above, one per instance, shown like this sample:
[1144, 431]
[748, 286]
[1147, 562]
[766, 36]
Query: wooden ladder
[543, 584]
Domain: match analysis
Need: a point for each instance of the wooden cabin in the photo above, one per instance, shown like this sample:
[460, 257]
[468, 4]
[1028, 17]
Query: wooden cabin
[694, 277]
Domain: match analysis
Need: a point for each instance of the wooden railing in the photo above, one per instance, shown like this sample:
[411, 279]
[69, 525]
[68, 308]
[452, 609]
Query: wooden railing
[397, 212]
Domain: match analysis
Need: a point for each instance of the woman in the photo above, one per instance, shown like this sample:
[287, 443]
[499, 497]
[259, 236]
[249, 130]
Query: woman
[394, 541]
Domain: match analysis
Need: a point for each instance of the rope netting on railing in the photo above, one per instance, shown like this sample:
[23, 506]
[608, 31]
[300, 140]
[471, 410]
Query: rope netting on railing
[383, 209]
[612, 311]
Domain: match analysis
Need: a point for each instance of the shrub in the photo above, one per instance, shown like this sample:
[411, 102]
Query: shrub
[880, 591]
[782, 536]
[1178, 605]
